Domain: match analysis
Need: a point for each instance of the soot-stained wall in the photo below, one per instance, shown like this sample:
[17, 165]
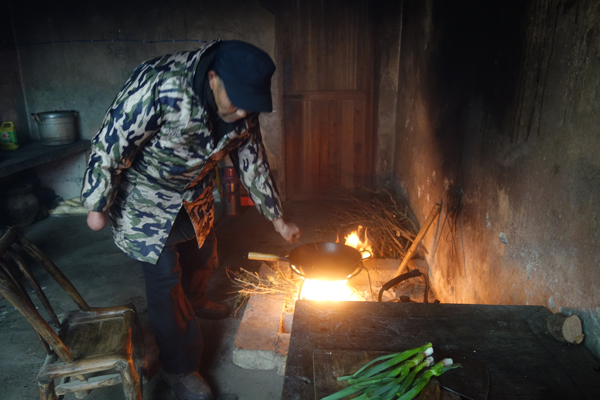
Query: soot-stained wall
[62, 68]
[499, 106]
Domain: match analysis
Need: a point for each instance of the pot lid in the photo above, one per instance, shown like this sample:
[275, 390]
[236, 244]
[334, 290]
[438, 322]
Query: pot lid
[56, 114]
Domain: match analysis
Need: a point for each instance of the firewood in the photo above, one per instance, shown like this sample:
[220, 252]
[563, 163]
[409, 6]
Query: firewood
[390, 228]
[565, 328]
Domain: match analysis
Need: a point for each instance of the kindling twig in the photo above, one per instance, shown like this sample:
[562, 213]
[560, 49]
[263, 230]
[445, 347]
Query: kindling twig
[390, 230]
[251, 283]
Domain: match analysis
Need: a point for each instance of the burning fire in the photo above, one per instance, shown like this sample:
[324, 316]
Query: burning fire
[354, 240]
[338, 290]
[326, 290]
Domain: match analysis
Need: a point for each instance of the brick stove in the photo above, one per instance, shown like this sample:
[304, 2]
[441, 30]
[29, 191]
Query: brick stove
[263, 338]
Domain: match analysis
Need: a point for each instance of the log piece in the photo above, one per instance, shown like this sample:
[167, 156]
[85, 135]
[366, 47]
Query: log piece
[565, 328]
[417, 242]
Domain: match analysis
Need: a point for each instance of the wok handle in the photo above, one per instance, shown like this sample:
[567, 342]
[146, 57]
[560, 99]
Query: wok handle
[263, 257]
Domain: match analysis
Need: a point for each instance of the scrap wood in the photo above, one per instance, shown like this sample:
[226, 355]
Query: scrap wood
[414, 247]
[386, 221]
[565, 328]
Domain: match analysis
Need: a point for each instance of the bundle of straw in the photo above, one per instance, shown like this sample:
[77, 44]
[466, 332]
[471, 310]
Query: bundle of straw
[280, 282]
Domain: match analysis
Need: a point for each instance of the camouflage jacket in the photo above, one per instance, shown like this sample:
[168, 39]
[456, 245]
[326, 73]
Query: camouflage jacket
[155, 154]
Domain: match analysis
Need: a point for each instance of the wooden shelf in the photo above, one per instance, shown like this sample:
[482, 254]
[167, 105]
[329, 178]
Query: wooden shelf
[35, 153]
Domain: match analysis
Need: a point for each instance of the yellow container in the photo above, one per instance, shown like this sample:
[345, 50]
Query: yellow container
[8, 136]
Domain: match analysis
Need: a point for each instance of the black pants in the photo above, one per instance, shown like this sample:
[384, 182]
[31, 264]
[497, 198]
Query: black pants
[175, 286]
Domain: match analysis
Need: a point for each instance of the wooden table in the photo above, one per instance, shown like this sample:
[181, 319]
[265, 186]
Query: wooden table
[523, 360]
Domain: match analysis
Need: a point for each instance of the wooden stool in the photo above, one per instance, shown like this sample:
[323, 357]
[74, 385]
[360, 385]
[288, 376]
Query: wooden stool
[89, 348]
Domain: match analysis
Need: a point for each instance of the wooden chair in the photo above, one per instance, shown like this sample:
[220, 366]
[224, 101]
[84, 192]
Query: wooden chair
[91, 347]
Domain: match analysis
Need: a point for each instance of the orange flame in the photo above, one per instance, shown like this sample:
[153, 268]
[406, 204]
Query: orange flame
[354, 240]
[326, 290]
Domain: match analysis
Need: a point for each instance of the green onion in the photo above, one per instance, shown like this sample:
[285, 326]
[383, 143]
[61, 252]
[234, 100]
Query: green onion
[383, 378]
[342, 378]
[344, 392]
[438, 369]
[411, 377]
[363, 373]
[394, 376]
[400, 373]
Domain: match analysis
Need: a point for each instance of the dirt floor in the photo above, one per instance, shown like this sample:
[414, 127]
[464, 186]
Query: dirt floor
[106, 277]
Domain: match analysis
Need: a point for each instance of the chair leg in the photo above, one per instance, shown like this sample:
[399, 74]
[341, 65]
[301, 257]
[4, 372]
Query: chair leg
[46, 388]
[131, 382]
[139, 349]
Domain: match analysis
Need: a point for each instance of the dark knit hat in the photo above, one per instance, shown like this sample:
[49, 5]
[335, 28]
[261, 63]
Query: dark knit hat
[246, 72]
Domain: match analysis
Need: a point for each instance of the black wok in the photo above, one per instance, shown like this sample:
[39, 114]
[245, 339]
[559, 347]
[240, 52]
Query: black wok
[320, 260]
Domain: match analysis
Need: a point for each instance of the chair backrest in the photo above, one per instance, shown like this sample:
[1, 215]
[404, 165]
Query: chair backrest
[12, 289]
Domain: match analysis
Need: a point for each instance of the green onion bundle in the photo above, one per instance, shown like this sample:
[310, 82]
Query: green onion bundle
[391, 376]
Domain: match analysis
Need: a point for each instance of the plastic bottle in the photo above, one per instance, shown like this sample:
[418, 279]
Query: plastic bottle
[8, 136]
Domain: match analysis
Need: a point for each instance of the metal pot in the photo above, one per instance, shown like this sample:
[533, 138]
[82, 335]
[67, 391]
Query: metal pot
[56, 127]
[320, 260]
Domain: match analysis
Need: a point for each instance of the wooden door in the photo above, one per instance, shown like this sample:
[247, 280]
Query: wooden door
[327, 56]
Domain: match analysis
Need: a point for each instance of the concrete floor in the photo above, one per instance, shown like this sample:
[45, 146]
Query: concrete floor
[105, 277]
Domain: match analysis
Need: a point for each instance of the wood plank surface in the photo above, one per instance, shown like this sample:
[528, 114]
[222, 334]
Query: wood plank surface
[328, 86]
[523, 363]
[94, 338]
